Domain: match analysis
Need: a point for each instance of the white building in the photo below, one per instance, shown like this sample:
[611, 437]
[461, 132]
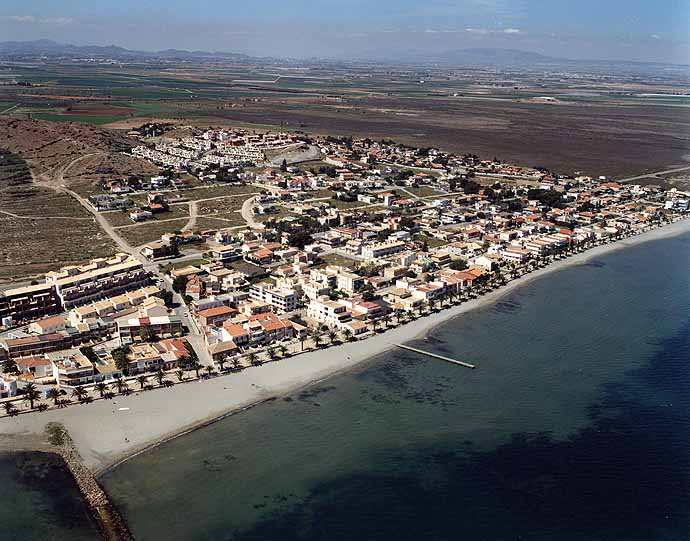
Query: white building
[282, 299]
[330, 313]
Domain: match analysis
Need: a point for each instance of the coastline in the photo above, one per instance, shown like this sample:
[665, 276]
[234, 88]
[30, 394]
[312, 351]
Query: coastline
[107, 433]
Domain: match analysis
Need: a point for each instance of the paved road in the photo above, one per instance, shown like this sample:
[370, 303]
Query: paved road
[194, 336]
[667, 172]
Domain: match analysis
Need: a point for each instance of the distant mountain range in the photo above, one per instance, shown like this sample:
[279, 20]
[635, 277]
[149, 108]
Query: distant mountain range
[22, 50]
[489, 57]
[52, 49]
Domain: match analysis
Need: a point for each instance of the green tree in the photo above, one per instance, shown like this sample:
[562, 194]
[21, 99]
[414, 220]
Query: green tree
[196, 366]
[31, 394]
[101, 388]
[179, 374]
[146, 334]
[332, 335]
[53, 394]
[10, 409]
[120, 384]
[253, 358]
[141, 380]
[9, 366]
[79, 393]
[160, 376]
[120, 358]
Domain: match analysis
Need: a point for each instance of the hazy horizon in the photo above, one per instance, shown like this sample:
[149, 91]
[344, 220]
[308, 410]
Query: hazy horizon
[616, 30]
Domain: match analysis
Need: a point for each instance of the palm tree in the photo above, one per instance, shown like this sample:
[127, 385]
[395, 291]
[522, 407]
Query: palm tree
[398, 315]
[79, 393]
[9, 409]
[302, 338]
[374, 323]
[53, 394]
[253, 358]
[332, 335]
[183, 362]
[221, 362]
[31, 394]
[386, 320]
[283, 350]
[179, 374]
[120, 384]
[316, 338]
[209, 369]
[347, 334]
[236, 363]
[141, 380]
[196, 366]
[272, 353]
[101, 388]
[160, 376]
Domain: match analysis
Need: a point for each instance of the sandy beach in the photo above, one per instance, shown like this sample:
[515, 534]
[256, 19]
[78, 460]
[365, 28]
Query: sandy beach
[108, 431]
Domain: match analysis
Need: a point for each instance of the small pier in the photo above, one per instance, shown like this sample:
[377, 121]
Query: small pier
[447, 359]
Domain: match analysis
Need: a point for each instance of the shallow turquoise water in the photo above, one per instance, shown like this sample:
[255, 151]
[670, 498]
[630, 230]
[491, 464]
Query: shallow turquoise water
[575, 426]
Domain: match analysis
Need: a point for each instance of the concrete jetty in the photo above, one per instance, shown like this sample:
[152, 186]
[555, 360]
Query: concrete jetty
[434, 355]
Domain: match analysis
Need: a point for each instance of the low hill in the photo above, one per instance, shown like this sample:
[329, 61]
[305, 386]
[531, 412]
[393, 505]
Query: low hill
[49, 146]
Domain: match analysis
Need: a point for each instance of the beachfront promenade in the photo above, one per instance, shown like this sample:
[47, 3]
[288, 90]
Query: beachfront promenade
[106, 431]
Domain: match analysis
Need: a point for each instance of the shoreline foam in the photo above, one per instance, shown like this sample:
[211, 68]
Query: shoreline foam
[107, 436]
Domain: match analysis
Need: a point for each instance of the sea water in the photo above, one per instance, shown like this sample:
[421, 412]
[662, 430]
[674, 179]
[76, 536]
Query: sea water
[574, 426]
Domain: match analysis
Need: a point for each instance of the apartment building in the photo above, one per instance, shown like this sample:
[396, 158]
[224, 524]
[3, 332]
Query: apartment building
[149, 358]
[27, 303]
[382, 249]
[330, 313]
[99, 279]
[281, 299]
[34, 345]
[129, 330]
[216, 315]
[71, 367]
[349, 282]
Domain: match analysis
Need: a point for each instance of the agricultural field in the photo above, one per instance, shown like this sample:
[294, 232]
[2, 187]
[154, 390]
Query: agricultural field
[589, 126]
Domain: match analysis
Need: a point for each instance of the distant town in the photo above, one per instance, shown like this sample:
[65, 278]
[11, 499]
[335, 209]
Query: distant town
[334, 240]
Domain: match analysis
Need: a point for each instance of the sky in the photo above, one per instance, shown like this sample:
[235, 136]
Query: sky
[644, 30]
